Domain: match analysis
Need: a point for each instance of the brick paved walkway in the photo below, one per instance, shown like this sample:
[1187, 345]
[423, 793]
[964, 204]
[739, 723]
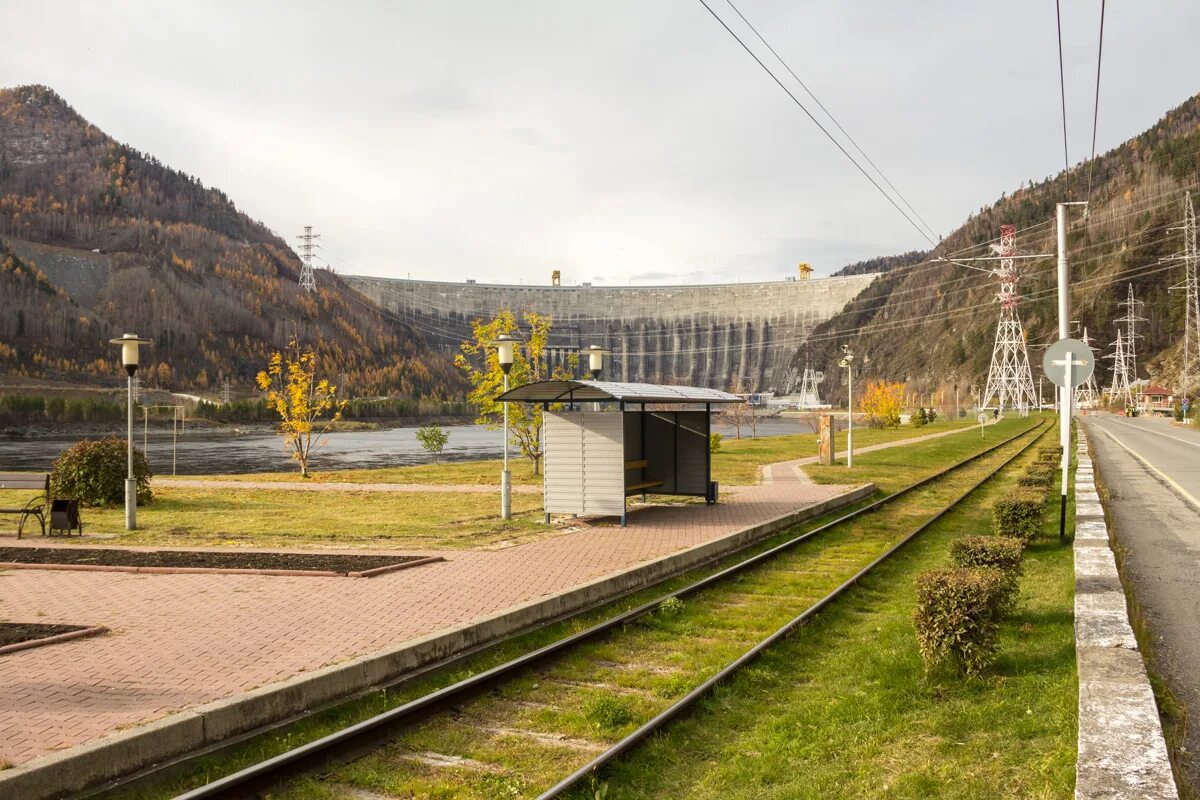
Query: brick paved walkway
[179, 641]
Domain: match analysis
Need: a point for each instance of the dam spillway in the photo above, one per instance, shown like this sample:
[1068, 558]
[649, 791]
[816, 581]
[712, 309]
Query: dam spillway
[737, 336]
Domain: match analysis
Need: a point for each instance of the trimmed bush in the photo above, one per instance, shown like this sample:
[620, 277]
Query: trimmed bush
[998, 552]
[957, 617]
[93, 472]
[1019, 515]
[1036, 480]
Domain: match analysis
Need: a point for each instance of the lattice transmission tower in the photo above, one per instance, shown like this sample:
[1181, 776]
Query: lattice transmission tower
[1191, 289]
[1130, 320]
[1010, 380]
[308, 243]
[1119, 390]
[1087, 393]
[810, 396]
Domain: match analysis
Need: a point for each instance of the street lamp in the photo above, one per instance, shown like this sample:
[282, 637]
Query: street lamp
[847, 363]
[129, 358]
[505, 351]
[595, 354]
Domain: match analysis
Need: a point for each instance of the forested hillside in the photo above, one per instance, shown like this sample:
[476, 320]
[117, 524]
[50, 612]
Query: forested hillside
[97, 239]
[932, 324]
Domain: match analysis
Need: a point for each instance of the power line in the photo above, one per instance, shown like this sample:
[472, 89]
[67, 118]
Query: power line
[1062, 83]
[1096, 112]
[817, 122]
[832, 119]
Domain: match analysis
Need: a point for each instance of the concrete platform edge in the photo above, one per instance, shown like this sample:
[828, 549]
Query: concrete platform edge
[92, 764]
[1122, 752]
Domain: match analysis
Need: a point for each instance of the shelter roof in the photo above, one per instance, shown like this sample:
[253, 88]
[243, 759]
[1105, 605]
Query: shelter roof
[566, 391]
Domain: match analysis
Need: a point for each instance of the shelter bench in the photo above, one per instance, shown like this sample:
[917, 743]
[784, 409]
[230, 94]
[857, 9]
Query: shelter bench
[641, 486]
[36, 507]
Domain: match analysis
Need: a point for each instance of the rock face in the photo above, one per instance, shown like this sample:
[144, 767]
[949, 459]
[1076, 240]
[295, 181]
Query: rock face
[741, 336]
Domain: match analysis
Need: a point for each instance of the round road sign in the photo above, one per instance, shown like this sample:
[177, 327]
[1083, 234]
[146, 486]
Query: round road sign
[1054, 363]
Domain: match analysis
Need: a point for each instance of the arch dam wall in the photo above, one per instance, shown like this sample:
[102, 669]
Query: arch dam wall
[718, 335]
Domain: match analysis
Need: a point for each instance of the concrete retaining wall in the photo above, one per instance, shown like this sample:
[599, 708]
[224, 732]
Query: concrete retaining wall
[1122, 754]
[709, 335]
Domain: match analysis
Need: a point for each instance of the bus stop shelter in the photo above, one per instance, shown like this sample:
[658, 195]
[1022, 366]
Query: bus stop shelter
[652, 439]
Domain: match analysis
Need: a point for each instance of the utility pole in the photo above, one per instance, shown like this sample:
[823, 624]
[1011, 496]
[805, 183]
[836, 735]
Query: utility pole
[1119, 388]
[308, 281]
[1010, 380]
[1191, 287]
[1130, 321]
[1086, 394]
[225, 392]
[847, 362]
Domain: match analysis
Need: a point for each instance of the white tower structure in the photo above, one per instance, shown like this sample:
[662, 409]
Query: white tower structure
[1130, 321]
[1119, 390]
[809, 394]
[1191, 288]
[1010, 380]
[1087, 393]
[308, 281]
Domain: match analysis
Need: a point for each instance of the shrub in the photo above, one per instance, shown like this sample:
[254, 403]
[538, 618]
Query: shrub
[957, 616]
[93, 472]
[1036, 480]
[998, 552]
[1019, 515]
[931, 414]
[919, 418]
[432, 438]
[714, 442]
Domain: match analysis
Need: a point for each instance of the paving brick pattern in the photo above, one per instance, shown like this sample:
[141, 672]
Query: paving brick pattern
[179, 641]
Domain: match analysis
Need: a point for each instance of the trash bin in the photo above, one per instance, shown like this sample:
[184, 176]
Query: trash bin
[64, 516]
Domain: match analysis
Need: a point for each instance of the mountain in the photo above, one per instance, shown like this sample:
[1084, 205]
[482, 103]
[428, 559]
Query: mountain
[932, 323]
[97, 238]
[883, 263]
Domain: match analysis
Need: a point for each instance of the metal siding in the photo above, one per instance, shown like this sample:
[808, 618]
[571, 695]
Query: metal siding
[584, 463]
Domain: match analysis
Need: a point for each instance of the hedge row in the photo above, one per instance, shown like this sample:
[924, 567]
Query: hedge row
[959, 609]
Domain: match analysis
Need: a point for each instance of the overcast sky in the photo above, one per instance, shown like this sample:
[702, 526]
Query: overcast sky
[621, 142]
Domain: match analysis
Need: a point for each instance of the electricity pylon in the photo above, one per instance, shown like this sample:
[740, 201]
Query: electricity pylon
[1191, 287]
[308, 281]
[1087, 393]
[1130, 321]
[1010, 380]
[810, 396]
[1119, 390]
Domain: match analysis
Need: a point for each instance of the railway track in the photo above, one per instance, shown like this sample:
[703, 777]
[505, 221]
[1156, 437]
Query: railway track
[572, 706]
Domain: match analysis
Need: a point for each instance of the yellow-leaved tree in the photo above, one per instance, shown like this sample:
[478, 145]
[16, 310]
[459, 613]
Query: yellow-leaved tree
[478, 360]
[301, 400]
[881, 402]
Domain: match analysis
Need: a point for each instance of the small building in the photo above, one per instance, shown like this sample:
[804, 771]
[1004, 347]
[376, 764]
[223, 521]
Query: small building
[651, 439]
[1155, 399]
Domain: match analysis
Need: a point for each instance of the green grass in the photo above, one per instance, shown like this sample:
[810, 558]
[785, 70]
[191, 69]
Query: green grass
[842, 709]
[595, 715]
[224, 517]
[737, 462]
[601, 691]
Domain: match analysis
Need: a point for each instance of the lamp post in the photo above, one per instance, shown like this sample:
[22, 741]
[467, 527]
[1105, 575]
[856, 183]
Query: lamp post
[595, 354]
[505, 350]
[129, 358]
[847, 362]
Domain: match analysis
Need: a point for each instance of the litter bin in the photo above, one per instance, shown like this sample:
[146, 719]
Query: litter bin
[64, 516]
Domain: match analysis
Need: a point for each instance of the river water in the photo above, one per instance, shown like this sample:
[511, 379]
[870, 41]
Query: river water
[207, 453]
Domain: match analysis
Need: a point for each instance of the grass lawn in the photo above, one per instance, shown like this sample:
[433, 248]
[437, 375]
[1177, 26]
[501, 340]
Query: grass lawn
[842, 709]
[737, 461]
[219, 517]
[852, 678]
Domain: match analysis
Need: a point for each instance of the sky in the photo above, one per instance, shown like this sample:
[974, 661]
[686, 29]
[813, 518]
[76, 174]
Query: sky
[623, 142]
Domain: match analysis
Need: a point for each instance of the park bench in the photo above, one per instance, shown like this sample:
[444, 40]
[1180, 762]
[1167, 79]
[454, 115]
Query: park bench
[36, 507]
[641, 486]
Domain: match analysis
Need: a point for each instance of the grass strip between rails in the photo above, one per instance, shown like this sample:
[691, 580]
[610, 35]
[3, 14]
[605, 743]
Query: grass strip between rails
[590, 705]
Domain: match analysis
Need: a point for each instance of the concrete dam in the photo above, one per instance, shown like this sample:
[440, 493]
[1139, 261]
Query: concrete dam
[739, 336]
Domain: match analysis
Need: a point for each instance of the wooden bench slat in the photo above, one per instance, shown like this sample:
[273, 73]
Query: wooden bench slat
[637, 487]
[637, 464]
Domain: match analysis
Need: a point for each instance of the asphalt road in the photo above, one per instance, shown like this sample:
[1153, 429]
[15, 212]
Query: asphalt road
[1151, 471]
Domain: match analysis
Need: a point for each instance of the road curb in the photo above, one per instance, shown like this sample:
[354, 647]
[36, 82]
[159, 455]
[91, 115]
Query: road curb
[94, 763]
[1122, 752]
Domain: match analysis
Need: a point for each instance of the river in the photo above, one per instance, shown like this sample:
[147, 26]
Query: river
[207, 453]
